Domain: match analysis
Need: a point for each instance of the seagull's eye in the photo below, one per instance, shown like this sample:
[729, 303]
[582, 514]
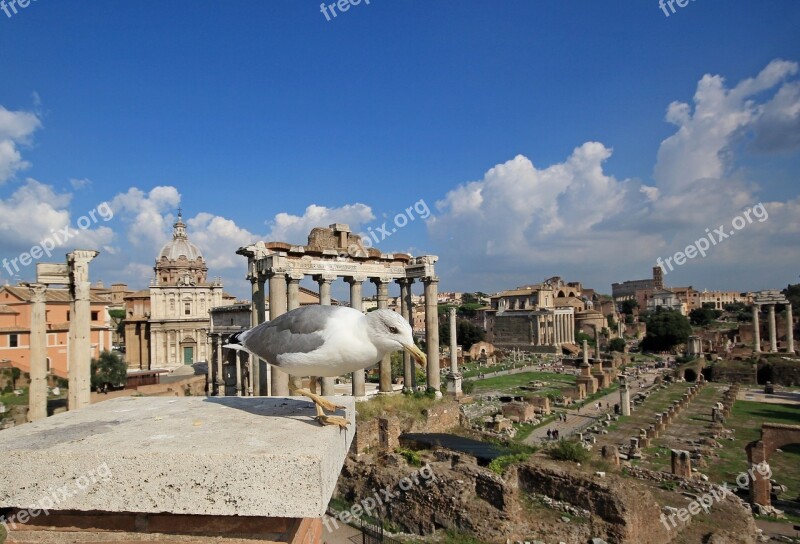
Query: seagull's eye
[393, 330]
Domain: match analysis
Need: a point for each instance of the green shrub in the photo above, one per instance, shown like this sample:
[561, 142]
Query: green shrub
[467, 387]
[568, 450]
[412, 457]
[499, 465]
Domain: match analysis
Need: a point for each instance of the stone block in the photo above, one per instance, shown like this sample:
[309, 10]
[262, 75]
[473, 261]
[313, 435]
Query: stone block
[218, 456]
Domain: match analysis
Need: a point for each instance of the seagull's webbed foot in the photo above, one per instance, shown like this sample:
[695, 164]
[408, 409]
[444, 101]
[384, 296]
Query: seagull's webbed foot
[321, 404]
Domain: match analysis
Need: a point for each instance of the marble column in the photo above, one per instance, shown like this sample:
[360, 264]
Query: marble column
[210, 370]
[277, 307]
[324, 281]
[356, 302]
[585, 353]
[773, 337]
[625, 398]
[597, 343]
[453, 342]
[409, 373]
[80, 339]
[756, 329]
[238, 360]
[432, 331]
[258, 375]
[37, 400]
[220, 372]
[385, 366]
[293, 302]
[789, 329]
[454, 378]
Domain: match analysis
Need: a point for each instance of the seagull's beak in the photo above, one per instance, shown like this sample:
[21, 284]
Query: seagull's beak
[416, 353]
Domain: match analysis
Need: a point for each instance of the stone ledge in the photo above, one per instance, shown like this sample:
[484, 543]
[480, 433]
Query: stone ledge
[221, 456]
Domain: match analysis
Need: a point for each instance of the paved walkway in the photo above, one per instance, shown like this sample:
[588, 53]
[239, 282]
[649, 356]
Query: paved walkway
[579, 419]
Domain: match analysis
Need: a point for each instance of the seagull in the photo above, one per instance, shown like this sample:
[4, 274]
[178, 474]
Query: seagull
[327, 341]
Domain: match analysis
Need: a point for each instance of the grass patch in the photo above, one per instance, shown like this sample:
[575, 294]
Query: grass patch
[400, 405]
[501, 464]
[13, 400]
[568, 450]
[746, 418]
[515, 381]
[412, 457]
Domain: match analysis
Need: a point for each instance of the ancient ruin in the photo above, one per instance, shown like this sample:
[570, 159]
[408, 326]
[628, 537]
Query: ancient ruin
[335, 252]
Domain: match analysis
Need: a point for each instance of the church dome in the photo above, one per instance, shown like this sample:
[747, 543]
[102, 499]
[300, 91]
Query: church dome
[180, 246]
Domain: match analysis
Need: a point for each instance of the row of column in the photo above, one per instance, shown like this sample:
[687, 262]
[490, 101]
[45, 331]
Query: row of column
[773, 336]
[554, 329]
[284, 296]
[79, 348]
[564, 329]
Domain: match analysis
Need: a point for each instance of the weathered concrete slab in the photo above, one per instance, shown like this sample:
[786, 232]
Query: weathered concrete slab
[262, 456]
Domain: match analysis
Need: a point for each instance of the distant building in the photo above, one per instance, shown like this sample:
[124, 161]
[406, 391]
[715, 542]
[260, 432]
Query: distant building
[719, 299]
[627, 290]
[171, 328]
[539, 318]
[666, 299]
[15, 327]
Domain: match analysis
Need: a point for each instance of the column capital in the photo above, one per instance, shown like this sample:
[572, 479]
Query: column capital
[355, 279]
[430, 279]
[295, 276]
[402, 282]
[324, 278]
[38, 291]
[82, 255]
[381, 280]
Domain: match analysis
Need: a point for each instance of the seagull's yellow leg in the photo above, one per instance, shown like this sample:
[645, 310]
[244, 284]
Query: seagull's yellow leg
[322, 404]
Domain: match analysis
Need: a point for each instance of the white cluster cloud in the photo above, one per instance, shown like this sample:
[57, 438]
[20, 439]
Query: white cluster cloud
[36, 211]
[576, 220]
[295, 228]
[16, 129]
[147, 215]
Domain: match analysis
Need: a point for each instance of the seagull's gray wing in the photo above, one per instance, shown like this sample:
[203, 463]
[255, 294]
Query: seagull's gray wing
[299, 331]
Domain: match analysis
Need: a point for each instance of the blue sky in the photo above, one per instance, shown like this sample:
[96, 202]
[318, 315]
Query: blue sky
[540, 129]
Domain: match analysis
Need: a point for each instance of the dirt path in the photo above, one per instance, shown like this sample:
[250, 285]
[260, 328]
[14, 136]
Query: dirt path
[577, 420]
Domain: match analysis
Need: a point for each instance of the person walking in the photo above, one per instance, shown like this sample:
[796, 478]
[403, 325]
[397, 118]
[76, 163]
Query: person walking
[549, 434]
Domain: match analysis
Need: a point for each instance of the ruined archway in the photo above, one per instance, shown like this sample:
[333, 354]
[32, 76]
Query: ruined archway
[773, 436]
[690, 375]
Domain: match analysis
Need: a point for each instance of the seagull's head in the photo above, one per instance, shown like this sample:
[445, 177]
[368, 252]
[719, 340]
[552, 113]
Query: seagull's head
[390, 332]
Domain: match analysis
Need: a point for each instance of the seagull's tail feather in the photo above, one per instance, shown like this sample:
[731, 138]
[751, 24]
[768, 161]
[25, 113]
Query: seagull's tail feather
[235, 341]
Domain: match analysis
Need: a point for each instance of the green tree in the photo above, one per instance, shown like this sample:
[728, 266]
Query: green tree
[467, 333]
[580, 336]
[109, 369]
[665, 330]
[792, 292]
[703, 316]
[628, 306]
[617, 344]
[469, 309]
